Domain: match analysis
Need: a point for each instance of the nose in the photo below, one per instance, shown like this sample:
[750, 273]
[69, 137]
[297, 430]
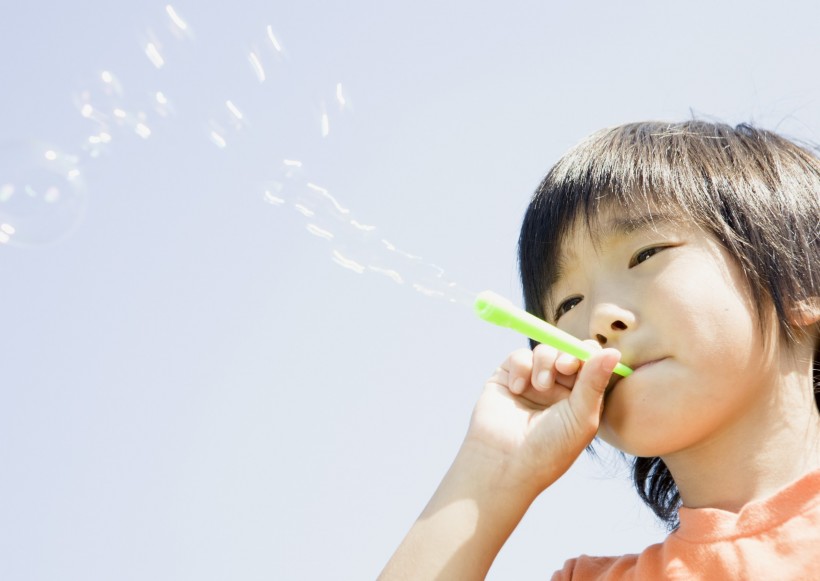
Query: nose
[609, 321]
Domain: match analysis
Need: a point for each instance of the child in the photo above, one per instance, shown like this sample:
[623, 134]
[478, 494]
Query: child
[692, 252]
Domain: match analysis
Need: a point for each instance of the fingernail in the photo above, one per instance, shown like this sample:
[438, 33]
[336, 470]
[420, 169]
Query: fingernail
[543, 378]
[518, 386]
[608, 365]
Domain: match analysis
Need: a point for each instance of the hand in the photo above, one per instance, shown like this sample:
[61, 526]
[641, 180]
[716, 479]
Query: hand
[538, 412]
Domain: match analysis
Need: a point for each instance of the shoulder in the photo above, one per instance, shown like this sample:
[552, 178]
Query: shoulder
[776, 538]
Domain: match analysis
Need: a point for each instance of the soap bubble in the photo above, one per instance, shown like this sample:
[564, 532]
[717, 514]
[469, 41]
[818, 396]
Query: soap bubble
[42, 194]
[103, 104]
[355, 245]
[251, 99]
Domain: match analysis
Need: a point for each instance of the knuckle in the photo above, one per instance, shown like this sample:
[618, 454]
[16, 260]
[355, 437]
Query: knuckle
[521, 359]
[544, 356]
[498, 375]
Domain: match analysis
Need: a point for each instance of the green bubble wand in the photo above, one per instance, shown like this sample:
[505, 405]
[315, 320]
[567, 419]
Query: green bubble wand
[498, 310]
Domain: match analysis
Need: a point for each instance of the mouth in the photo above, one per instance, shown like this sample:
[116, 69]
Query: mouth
[615, 379]
[647, 363]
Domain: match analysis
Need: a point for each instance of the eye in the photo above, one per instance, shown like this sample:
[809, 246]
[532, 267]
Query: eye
[566, 306]
[645, 254]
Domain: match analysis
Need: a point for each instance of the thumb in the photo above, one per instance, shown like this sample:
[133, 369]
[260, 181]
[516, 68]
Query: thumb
[587, 394]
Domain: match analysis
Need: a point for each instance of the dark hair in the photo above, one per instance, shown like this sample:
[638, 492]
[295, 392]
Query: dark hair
[756, 192]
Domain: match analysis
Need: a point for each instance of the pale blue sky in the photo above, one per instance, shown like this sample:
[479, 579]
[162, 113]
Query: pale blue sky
[191, 386]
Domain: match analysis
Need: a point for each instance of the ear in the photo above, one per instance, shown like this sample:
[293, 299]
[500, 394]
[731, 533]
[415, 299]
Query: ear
[805, 313]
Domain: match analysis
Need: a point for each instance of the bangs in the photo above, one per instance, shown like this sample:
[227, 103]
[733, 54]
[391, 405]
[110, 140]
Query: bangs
[754, 191]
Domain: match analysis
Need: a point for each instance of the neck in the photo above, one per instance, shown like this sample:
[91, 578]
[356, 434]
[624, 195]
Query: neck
[777, 442]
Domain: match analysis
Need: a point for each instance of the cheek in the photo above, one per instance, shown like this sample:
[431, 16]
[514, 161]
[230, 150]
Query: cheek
[700, 314]
[708, 308]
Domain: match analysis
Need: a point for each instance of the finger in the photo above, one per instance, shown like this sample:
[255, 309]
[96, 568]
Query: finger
[543, 367]
[566, 364]
[519, 365]
[500, 377]
[587, 395]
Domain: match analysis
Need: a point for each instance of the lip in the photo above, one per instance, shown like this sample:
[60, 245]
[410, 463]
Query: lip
[616, 379]
[648, 363]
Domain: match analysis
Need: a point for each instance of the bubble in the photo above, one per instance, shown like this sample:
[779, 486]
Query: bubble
[340, 97]
[42, 194]
[257, 67]
[114, 113]
[41, 191]
[277, 46]
[217, 136]
[325, 122]
[152, 51]
[179, 26]
[102, 103]
[357, 246]
[162, 105]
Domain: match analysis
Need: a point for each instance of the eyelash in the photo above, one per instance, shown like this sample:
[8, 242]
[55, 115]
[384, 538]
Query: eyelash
[566, 306]
[633, 262]
[572, 302]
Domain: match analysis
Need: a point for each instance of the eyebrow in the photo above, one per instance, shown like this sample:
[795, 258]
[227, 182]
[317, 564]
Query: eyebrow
[625, 225]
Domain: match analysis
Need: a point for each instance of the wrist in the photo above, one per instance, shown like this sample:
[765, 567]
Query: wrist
[484, 480]
[467, 521]
[523, 473]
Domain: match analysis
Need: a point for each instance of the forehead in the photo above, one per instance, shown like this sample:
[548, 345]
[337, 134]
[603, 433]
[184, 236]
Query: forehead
[611, 222]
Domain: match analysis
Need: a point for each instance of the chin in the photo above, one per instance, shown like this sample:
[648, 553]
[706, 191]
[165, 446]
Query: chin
[635, 443]
[637, 438]
[640, 449]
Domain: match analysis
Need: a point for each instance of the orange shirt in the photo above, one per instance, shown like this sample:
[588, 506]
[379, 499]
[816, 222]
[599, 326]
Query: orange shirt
[773, 538]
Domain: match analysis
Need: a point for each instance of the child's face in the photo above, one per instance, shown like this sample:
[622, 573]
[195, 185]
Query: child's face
[676, 305]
